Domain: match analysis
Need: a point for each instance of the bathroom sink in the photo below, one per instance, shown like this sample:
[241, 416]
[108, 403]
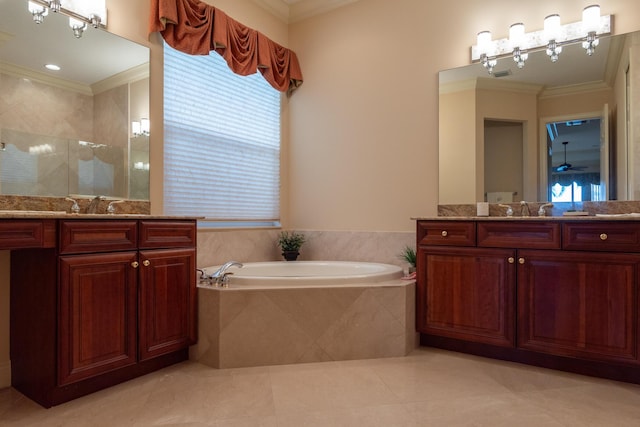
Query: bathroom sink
[26, 212]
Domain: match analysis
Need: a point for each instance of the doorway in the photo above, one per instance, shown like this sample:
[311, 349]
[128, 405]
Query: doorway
[503, 160]
[574, 160]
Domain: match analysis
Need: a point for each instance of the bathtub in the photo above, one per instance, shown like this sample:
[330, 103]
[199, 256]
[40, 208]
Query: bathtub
[305, 274]
[277, 313]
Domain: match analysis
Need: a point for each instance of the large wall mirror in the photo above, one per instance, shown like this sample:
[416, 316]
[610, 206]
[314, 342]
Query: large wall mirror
[69, 132]
[560, 131]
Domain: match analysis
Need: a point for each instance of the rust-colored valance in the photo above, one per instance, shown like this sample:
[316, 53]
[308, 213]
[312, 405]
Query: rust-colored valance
[196, 28]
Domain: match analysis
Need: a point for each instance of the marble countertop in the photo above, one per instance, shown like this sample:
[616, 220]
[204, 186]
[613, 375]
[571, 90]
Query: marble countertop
[18, 214]
[599, 217]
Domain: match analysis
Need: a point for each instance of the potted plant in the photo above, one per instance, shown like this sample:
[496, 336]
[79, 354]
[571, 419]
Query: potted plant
[408, 254]
[290, 243]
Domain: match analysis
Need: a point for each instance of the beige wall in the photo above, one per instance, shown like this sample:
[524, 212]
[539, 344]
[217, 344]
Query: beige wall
[457, 124]
[364, 126]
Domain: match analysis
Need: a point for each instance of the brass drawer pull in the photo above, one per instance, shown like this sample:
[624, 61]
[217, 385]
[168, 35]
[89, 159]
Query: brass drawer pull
[135, 264]
[146, 263]
[511, 260]
[521, 260]
[444, 233]
[603, 236]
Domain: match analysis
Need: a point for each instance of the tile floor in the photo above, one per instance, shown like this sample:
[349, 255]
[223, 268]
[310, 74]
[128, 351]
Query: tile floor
[428, 388]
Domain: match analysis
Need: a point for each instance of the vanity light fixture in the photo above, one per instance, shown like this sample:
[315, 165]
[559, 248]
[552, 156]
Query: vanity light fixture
[38, 11]
[552, 34]
[551, 38]
[141, 128]
[517, 42]
[590, 25]
[77, 26]
[55, 6]
[80, 12]
[486, 49]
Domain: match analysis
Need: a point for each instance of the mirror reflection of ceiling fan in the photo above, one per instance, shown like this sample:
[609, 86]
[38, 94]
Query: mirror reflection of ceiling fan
[564, 167]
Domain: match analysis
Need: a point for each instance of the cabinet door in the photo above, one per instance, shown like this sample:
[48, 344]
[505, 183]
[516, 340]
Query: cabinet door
[578, 304]
[167, 303]
[97, 320]
[467, 293]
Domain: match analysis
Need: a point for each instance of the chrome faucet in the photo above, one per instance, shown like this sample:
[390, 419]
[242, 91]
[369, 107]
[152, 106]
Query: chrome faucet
[525, 209]
[93, 205]
[541, 211]
[509, 211]
[220, 276]
[111, 209]
[75, 208]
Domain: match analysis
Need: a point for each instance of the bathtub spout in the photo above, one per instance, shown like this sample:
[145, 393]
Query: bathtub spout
[219, 277]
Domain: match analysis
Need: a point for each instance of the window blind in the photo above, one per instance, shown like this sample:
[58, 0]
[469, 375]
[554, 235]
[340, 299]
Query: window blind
[222, 141]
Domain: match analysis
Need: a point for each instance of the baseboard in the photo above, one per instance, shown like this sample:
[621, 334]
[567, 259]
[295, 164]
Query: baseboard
[5, 374]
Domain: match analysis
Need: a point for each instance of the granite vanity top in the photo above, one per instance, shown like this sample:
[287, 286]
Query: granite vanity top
[598, 217]
[25, 214]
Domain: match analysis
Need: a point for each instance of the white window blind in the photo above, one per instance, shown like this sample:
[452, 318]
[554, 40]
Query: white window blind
[222, 141]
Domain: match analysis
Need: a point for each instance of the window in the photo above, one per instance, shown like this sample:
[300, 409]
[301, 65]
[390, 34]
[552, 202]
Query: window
[222, 142]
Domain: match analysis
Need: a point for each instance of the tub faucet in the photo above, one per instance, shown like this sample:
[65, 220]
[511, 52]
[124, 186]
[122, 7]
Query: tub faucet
[219, 277]
[525, 209]
[93, 205]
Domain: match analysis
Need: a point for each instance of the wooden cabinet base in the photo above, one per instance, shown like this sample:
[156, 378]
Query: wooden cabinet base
[624, 373]
[55, 395]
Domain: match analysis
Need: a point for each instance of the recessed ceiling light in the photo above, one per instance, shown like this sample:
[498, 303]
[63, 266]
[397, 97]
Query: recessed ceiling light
[52, 67]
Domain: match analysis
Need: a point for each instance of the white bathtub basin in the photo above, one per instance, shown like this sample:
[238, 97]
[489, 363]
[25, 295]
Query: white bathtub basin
[283, 274]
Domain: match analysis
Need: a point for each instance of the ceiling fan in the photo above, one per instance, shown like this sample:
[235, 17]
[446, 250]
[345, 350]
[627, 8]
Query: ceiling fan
[567, 166]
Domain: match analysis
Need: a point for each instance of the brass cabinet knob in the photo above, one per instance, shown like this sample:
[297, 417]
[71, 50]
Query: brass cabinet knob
[135, 264]
[511, 260]
[146, 263]
[604, 236]
[521, 260]
[444, 233]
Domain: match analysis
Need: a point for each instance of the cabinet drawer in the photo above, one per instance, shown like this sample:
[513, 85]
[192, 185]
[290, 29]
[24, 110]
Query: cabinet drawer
[520, 234]
[602, 236]
[446, 233]
[15, 234]
[167, 234]
[97, 236]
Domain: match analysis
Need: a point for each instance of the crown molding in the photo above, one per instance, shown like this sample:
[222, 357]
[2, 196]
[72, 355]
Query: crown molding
[27, 73]
[128, 76]
[291, 12]
[574, 89]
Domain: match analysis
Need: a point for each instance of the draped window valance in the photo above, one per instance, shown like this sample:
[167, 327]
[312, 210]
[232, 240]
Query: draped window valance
[582, 179]
[196, 28]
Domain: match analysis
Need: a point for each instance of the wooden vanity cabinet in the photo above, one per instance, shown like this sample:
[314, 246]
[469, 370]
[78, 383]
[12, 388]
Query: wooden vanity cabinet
[561, 294]
[581, 305]
[114, 300]
[469, 296]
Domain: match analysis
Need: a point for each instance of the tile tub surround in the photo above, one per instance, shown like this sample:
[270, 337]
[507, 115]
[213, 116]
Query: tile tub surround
[242, 328]
[215, 247]
[608, 207]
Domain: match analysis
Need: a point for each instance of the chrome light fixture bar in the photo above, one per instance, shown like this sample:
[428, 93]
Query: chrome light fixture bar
[551, 38]
[77, 11]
